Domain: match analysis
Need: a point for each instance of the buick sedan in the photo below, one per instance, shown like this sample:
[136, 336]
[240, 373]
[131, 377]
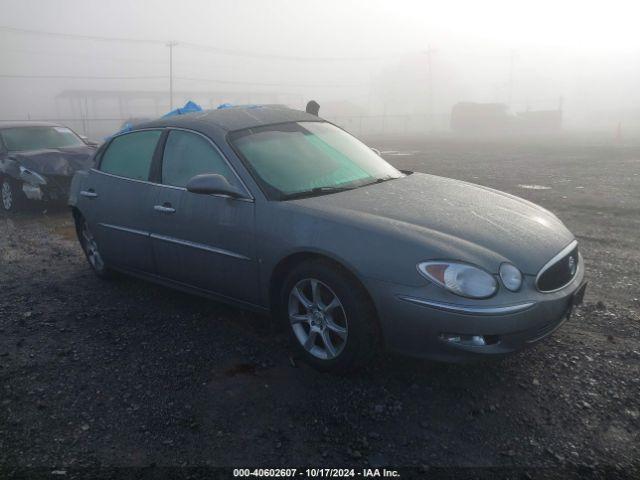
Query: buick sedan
[276, 210]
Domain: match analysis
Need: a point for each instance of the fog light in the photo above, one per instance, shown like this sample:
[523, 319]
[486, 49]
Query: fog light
[469, 340]
[32, 192]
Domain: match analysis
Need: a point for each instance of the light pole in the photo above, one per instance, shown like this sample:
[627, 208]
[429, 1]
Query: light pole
[429, 53]
[512, 61]
[171, 45]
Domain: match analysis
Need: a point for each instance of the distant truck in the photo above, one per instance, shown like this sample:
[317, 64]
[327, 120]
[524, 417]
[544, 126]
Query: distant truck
[481, 119]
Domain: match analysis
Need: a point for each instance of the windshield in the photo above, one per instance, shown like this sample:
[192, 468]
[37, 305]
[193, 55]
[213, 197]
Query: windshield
[21, 139]
[314, 158]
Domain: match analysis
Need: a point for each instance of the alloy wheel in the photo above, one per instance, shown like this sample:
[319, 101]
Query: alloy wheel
[318, 318]
[91, 248]
[7, 195]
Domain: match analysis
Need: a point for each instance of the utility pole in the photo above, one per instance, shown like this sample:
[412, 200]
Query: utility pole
[429, 53]
[512, 60]
[171, 45]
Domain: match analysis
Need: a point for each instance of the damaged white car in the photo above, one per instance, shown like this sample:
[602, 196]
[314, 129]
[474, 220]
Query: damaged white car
[37, 162]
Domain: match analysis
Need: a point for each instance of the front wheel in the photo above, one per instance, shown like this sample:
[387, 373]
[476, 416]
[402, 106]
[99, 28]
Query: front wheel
[13, 199]
[332, 322]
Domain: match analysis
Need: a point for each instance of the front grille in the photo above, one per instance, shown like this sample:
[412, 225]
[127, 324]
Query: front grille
[559, 273]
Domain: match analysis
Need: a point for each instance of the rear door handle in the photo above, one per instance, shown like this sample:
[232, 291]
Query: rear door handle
[166, 208]
[88, 193]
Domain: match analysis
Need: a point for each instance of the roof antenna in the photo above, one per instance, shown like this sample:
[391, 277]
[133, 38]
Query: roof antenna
[313, 107]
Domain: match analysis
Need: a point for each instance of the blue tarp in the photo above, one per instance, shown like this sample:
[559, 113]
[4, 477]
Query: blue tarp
[127, 128]
[189, 107]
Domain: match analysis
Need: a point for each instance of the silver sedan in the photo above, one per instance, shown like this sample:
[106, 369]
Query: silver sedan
[279, 211]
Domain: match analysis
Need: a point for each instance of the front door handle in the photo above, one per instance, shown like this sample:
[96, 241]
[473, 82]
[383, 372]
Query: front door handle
[166, 208]
[88, 193]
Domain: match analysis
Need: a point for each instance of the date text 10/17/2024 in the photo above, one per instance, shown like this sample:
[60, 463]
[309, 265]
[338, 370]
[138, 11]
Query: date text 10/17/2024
[316, 472]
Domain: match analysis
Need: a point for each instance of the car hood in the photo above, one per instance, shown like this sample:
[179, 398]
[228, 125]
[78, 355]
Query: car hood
[513, 229]
[58, 161]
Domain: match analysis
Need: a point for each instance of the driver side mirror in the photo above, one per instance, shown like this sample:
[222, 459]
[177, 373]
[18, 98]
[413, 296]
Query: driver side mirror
[213, 184]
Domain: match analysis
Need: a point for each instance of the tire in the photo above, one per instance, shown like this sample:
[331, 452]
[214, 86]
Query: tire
[340, 313]
[90, 249]
[12, 198]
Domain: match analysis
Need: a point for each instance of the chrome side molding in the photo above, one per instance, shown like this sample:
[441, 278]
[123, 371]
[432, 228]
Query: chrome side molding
[199, 246]
[124, 229]
[177, 241]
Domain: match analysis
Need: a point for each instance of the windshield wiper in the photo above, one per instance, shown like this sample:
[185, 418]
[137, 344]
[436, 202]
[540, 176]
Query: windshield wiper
[328, 190]
[379, 180]
[315, 191]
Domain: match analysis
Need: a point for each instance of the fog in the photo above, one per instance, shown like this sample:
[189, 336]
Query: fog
[374, 66]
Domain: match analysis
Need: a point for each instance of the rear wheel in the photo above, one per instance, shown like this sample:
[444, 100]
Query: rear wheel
[332, 323]
[13, 198]
[91, 250]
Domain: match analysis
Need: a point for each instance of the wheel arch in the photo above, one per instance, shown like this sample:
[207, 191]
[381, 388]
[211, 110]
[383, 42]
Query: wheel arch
[77, 217]
[290, 261]
[10, 168]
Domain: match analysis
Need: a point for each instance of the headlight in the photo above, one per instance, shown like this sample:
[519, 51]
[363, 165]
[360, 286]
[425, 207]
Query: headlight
[511, 277]
[31, 177]
[460, 278]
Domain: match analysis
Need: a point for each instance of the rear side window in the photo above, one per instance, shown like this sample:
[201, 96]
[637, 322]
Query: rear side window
[188, 154]
[130, 155]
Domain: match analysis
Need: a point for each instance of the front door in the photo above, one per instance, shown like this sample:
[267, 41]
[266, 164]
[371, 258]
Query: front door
[205, 241]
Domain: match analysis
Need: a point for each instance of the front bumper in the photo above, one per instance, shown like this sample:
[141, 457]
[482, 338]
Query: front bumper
[56, 189]
[420, 321]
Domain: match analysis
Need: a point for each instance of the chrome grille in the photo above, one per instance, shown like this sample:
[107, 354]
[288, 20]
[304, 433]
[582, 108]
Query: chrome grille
[560, 270]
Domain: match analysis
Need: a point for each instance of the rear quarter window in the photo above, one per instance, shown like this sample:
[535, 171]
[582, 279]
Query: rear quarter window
[130, 155]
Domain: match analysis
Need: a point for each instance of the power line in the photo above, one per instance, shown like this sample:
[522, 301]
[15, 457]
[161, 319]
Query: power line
[194, 46]
[79, 36]
[86, 77]
[244, 53]
[193, 79]
[92, 56]
[273, 84]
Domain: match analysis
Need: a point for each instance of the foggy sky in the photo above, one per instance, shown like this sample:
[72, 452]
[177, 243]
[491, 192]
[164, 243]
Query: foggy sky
[368, 55]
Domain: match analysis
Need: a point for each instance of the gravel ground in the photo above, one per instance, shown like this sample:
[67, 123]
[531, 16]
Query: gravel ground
[126, 373]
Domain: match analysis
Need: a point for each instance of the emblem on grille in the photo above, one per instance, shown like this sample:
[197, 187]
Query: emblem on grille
[572, 266]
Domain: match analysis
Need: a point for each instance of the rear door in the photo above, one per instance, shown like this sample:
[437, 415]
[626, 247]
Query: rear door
[116, 199]
[205, 241]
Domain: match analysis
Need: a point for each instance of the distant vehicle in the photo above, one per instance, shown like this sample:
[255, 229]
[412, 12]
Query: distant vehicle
[468, 118]
[277, 210]
[37, 162]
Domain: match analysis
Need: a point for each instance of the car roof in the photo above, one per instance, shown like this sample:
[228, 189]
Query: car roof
[25, 123]
[233, 118]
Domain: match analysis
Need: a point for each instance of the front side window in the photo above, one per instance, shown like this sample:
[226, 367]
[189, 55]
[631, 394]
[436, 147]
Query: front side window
[22, 139]
[130, 155]
[187, 155]
[308, 158]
